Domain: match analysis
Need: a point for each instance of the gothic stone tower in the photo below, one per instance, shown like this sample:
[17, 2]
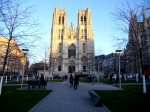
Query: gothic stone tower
[72, 50]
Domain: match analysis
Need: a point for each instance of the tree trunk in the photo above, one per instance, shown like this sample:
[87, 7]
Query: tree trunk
[6, 56]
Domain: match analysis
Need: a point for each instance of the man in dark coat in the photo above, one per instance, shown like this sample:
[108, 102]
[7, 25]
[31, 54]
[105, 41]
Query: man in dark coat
[76, 81]
[71, 80]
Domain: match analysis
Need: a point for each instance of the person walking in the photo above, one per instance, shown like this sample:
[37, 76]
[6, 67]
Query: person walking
[117, 79]
[71, 80]
[42, 81]
[76, 81]
[110, 78]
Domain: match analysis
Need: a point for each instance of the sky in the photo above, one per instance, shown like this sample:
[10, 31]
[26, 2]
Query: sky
[103, 23]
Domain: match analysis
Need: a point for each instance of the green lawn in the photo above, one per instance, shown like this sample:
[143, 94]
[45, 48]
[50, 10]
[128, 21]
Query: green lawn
[13, 100]
[129, 100]
[15, 82]
[25, 82]
[106, 80]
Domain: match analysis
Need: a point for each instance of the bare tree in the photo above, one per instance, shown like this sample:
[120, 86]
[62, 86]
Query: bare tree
[16, 24]
[133, 22]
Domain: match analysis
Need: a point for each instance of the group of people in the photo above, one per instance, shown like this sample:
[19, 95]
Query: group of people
[74, 81]
[35, 80]
[110, 77]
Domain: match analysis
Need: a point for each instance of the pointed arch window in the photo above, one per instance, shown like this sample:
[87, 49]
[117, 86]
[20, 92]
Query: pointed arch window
[59, 19]
[62, 31]
[72, 51]
[82, 34]
[59, 34]
[63, 20]
[60, 47]
[85, 34]
[82, 20]
[83, 47]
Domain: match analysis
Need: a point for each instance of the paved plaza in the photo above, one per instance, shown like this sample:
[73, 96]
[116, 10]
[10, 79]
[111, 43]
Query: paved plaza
[66, 99]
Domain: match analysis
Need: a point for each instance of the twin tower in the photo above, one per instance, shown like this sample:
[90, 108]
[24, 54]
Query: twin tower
[72, 49]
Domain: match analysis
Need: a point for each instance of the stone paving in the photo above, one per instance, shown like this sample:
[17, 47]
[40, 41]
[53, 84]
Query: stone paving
[66, 99]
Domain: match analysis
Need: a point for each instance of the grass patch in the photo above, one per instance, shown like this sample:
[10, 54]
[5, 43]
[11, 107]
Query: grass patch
[83, 80]
[15, 82]
[105, 80]
[13, 100]
[129, 100]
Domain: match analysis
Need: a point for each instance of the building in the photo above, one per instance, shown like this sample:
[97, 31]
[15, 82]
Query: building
[111, 63]
[138, 46]
[72, 49]
[16, 58]
[99, 64]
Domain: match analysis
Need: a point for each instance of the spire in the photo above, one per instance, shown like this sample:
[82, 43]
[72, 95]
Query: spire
[133, 16]
[72, 26]
[144, 19]
[72, 29]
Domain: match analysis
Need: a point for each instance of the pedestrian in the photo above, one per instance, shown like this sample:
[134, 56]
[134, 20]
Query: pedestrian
[76, 81]
[110, 78]
[117, 79]
[65, 77]
[42, 81]
[71, 80]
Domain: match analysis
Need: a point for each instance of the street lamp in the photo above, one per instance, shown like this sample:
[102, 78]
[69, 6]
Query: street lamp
[98, 70]
[118, 51]
[25, 52]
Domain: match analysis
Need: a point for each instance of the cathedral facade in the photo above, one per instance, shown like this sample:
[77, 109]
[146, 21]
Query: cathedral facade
[72, 49]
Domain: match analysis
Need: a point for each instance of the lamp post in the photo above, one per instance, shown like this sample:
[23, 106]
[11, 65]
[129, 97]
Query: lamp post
[98, 71]
[118, 51]
[25, 52]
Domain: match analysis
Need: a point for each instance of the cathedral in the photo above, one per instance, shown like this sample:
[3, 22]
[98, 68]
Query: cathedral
[72, 49]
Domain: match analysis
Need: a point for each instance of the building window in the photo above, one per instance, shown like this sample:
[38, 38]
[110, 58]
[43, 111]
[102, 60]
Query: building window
[60, 48]
[69, 37]
[63, 20]
[84, 68]
[59, 19]
[72, 51]
[85, 20]
[82, 34]
[59, 34]
[85, 33]
[59, 68]
[83, 47]
[81, 19]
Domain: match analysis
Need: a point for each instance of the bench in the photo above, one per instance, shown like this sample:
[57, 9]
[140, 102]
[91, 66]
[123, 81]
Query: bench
[96, 99]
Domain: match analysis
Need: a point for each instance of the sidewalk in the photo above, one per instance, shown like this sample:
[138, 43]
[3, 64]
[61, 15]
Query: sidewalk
[66, 99]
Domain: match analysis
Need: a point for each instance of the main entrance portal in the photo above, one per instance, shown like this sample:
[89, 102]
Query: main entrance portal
[71, 67]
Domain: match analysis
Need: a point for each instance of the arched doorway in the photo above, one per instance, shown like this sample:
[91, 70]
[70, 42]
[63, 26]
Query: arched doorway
[71, 67]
